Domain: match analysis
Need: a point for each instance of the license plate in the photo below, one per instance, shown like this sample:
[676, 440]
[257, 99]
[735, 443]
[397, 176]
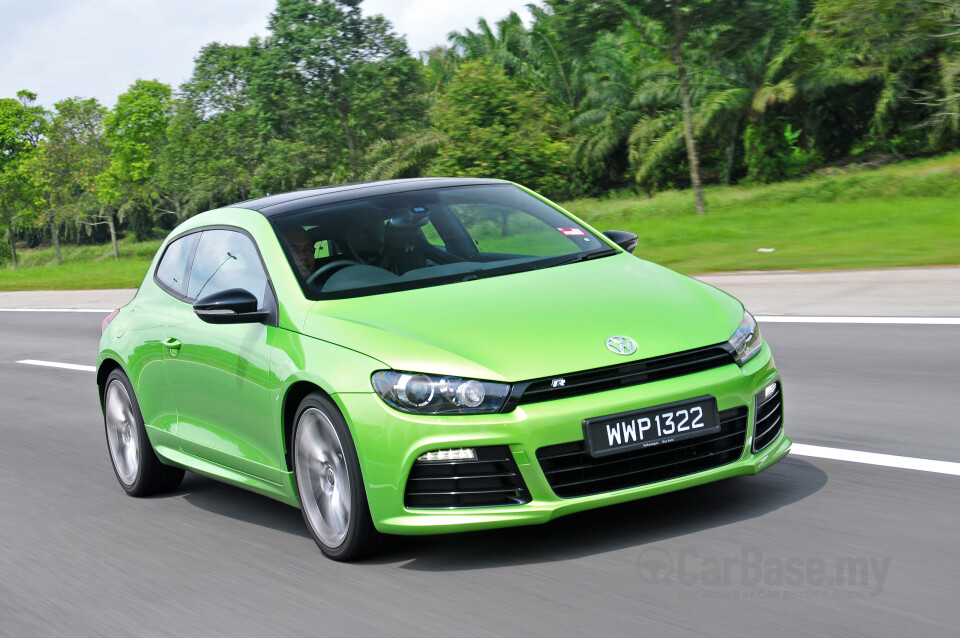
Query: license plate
[649, 427]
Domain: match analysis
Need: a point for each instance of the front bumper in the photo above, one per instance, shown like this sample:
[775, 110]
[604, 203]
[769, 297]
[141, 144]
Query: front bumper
[390, 442]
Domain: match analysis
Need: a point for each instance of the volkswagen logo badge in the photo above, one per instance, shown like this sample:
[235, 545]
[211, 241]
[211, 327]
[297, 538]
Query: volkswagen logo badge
[621, 345]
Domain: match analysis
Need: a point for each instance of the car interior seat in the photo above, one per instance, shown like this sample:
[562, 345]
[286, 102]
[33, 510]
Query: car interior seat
[404, 244]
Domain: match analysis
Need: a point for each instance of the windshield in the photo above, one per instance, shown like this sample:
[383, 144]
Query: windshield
[430, 237]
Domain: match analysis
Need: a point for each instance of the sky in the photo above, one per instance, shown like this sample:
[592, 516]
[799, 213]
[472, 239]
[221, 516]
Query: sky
[98, 48]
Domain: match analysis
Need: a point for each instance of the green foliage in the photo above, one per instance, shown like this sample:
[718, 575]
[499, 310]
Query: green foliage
[70, 159]
[135, 132]
[875, 70]
[211, 134]
[768, 151]
[408, 156]
[22, 125]
[302, 107]
[497, 130]
[352, 72]
[507, 47]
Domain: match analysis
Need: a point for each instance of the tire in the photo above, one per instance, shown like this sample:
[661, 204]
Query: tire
[135, 464]
[329, 483]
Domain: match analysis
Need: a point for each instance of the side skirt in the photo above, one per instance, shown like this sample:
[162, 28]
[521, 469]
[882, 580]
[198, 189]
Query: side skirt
[167, 448]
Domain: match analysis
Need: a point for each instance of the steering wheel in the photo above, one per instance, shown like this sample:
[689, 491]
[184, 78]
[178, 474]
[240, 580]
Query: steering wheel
[333, 265]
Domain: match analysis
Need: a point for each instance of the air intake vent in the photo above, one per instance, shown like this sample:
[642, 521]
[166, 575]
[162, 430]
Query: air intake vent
[768, 418]
[491, 480]
[571, 472]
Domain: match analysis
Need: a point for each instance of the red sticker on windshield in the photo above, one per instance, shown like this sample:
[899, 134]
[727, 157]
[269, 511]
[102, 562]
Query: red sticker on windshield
[572, 232]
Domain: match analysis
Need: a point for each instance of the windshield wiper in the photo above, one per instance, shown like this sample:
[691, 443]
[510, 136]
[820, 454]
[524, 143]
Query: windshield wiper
[578, 257]
[484, 273]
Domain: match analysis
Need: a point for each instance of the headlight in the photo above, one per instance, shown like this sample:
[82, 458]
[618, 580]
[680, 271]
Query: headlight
[746, 340]
[430, 394]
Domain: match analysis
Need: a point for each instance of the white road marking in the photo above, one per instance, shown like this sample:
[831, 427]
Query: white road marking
[916, 321]
[100, 310]
[55, 364]
[872, 458]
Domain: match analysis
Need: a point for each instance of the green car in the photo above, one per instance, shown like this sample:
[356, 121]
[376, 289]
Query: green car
[429, 355]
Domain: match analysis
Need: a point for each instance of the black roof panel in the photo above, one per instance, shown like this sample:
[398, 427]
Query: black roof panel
[297, 200]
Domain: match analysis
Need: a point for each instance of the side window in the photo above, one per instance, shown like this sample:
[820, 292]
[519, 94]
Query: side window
[226, 259]
[172, 270]
[432, 236]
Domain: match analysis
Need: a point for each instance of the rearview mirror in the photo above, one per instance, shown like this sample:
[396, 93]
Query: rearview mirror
[624, 239]
[230, 306]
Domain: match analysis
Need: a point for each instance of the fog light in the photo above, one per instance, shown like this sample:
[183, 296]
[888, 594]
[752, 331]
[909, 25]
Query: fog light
[460, 454]
[769, 390]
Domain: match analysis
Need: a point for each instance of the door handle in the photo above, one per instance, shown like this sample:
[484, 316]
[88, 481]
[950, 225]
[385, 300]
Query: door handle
[173, 345]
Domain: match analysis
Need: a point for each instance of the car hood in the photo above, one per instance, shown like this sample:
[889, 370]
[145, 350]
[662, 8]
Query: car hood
[533, 324]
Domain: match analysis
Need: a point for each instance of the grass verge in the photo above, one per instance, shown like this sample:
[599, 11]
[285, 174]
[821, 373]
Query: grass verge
[905, 214]
[84, 267]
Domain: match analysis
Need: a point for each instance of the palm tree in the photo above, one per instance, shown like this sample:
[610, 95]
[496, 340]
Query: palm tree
[635, 102]
[557, 73]
[407, 156]
[508, 46]
[439, 66]
[608, 113]
[911, 56]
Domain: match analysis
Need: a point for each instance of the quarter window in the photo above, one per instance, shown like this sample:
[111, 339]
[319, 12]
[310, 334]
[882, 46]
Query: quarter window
[172, 270]
[226, 259]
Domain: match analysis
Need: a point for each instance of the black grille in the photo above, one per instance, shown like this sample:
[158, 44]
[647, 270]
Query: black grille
[571, 472]
[493, 479]
[768, 419]
[619, 376]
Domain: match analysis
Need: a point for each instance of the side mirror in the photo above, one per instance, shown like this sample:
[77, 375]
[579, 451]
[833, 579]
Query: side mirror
[624, 239]
[230, 306]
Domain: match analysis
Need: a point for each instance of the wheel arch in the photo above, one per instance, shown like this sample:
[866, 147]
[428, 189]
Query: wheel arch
[107, 366]
[294, 395]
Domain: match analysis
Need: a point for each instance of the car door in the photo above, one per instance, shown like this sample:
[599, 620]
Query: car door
[219, 374]
[146, 365]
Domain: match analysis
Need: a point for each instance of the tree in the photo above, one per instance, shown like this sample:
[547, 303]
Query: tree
[507, 46]
[350, 70]
[22, 125]
[608, 113]
[881, 41]
[876, 74]
[482, 125]
[216, 132]
[538, 57]
[558, 72]
[945, 99]
[135, 133]
[67, 164]
[495, 129]
[731, 100]
[692, 36]
[696, 35]
[439, 65]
